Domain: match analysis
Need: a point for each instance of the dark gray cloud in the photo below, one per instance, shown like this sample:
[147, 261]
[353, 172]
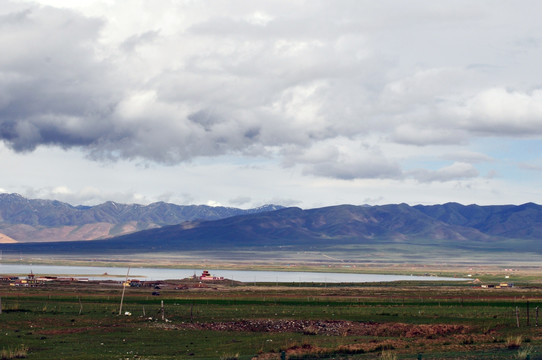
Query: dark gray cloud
[54, 90]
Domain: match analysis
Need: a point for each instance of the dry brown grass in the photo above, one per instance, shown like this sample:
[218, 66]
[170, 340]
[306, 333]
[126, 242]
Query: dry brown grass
[19, 352]
[514, 342]
[388, 355]
[230, 357]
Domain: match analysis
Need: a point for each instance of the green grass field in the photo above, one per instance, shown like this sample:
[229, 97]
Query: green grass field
[400, 320]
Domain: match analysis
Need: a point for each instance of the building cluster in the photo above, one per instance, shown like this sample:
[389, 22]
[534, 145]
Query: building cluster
[31, 280]
[136, 283]
[499, 286]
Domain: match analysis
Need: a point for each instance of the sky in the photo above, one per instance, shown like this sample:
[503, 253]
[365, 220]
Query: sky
[295, 103]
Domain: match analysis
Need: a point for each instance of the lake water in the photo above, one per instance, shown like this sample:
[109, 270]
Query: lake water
[153, 274]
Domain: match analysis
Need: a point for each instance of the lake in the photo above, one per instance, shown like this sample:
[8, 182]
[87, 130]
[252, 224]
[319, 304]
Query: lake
[154, 274]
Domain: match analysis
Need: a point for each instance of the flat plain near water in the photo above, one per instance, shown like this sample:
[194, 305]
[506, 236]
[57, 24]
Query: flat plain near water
[186, 319]
[153, 274]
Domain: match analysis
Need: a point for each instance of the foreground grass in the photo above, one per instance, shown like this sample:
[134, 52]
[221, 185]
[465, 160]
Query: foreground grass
[82, 322]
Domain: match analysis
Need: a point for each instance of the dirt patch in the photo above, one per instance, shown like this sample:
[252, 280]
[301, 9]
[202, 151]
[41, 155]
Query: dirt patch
[320, 327]
[306, 351]
[77, 330]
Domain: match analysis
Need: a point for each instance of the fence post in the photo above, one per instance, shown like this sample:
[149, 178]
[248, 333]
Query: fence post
[536, 316]
[528, 320]
[162, 310]
[517, 316]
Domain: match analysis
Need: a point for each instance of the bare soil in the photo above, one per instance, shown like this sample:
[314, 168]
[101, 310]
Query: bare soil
[329, 327]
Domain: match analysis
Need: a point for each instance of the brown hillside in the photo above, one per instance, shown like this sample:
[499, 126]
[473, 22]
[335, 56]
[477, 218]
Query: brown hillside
[4, 239]
[102, 230]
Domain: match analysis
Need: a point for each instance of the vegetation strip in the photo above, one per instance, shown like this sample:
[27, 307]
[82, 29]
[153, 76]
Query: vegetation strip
[241, 321]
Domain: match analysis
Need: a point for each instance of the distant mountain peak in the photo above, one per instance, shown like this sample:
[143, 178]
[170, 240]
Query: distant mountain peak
[12, 196]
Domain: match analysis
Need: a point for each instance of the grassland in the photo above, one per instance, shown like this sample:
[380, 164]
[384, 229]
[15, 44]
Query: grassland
[303, 321]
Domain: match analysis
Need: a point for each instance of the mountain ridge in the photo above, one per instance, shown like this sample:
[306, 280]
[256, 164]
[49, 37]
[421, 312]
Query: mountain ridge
[335, 227]
[474, 228]
[47, 220]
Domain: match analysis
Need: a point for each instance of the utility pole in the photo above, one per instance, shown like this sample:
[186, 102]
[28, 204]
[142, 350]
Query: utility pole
[123, 289]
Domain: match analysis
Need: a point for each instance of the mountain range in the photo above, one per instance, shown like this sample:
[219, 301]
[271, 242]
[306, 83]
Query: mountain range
[451, 225]
[24, 220]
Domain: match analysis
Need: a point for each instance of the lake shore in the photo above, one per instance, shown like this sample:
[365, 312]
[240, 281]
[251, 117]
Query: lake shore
[526, 273]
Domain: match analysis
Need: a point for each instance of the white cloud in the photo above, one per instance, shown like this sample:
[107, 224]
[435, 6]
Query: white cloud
[428, 134]
[349, 90]
[531, 166]
[259, 18]
[453, 172]
[502, 112]
[466, 156]
[240, 200]
[342, 158]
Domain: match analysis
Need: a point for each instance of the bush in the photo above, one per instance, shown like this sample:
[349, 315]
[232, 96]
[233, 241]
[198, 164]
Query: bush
[513, 342]
[388, 355]
[229, 357]
[310, 330]
[17, 353]
[523, 353]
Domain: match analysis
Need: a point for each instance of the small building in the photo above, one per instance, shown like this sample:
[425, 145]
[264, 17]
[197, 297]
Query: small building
[134, 283]
[19, 282]
[206, 276]
[30, 281]
[499, 286]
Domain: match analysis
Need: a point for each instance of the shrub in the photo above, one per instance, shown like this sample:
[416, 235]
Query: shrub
[17, 353]
[523, 353]
[310, 330]
[388, 355]
[229, 357]
[513, 342]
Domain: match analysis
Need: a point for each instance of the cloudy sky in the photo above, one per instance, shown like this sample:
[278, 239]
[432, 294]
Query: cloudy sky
[242, 103]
